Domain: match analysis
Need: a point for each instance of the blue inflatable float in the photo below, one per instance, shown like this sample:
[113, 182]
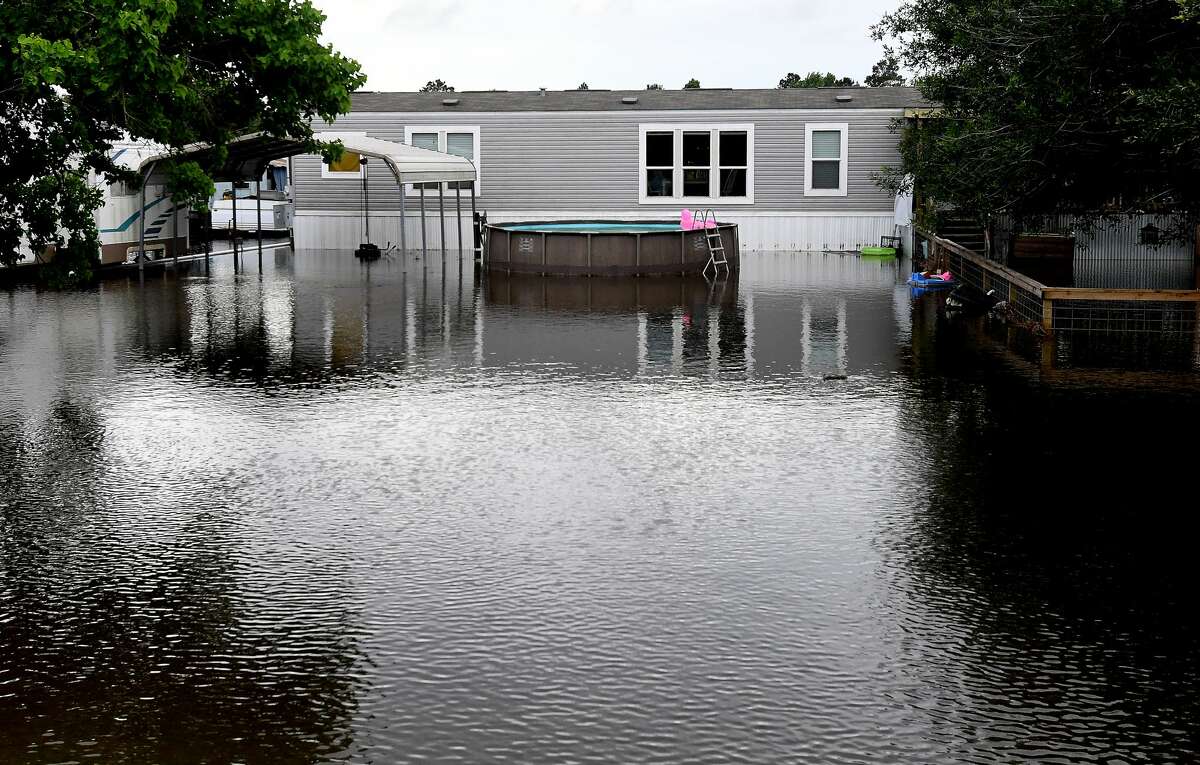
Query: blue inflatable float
[917, 280]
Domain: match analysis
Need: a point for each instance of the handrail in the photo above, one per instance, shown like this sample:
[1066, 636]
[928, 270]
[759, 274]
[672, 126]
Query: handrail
[1066, 293]
[1092, 293]
[1015, 277]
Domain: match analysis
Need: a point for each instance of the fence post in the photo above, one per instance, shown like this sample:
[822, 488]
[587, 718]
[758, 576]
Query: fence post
[1047, 314]
[1196, 260]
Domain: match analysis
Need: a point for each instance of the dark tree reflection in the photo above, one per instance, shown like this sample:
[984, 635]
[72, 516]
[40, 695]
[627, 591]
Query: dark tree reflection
[1053, 530]
[129, 634]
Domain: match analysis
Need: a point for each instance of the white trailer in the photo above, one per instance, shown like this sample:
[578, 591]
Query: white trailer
[120, 218]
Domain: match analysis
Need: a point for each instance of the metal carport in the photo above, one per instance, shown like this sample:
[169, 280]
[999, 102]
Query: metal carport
[248, 156]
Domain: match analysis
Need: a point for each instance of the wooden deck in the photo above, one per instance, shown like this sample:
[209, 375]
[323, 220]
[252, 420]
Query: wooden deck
[1073, 308]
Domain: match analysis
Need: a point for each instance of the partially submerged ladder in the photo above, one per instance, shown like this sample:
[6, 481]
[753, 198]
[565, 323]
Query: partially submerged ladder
[716, 247]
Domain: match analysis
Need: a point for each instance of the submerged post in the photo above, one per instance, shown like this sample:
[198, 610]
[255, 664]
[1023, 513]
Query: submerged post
[142, 223]
[424, 247]
[403, 236]
[366, 190]
[206, 232]
[174, 235]
[458, 214]
[233, 226]
[258, 209]
[442, 215]
[476, 244]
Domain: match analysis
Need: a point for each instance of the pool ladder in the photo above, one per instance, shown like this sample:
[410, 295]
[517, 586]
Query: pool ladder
[716, 247]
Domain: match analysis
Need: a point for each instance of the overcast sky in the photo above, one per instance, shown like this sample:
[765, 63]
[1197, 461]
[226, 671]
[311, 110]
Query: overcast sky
[556, 44]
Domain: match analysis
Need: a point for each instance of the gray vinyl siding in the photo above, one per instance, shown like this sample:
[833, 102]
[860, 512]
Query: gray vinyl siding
[588, 161]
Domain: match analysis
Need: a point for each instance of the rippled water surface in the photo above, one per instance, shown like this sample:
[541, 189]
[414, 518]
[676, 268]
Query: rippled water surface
[321, 513]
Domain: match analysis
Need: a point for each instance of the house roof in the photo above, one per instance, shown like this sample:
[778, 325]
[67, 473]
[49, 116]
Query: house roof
[646, 100]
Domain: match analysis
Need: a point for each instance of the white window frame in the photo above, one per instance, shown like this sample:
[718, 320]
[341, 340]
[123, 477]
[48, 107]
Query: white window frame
[843, 166]
[714, 197]
[411, 190]
[328, 174]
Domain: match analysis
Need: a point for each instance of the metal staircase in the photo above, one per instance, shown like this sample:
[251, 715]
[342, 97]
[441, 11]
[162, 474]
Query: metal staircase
[716, 251]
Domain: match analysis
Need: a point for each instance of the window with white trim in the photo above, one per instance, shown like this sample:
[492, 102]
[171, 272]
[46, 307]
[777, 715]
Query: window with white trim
[825, 155]
[460, 140]
[348, 167]
[696, 164]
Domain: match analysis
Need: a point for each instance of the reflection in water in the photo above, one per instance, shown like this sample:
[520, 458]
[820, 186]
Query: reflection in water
[128, 628]
[399, 511]
[1064, 562]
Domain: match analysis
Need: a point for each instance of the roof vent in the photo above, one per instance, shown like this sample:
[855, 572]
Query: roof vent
[629, 100]
[843, 98]
[449, 102]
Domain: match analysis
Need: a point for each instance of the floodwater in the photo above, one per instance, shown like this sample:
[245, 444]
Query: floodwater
[326, 513]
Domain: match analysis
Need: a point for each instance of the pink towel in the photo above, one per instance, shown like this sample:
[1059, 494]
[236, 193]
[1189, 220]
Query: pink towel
[689, 221]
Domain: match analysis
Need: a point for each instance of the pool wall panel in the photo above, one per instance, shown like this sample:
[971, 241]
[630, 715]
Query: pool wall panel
[525, 250]
[498, 247]
[566, 253]
[612, 251]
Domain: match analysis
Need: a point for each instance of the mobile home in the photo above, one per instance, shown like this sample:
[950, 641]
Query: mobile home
[794, 168]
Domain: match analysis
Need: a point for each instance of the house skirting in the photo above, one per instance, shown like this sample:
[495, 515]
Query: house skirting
[757, 231]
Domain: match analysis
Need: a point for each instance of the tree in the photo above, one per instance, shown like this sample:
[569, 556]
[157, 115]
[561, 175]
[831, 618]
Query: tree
[654, 86]
[886, 72]
[692, 84]
[582, 86]
[816, 80]
[78, 76]
[1077, 107]
[437, 86]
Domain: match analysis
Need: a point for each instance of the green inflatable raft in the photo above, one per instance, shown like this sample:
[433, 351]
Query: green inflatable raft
[878, 252]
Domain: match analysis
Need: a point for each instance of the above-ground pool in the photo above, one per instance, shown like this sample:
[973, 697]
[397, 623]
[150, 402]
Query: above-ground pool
[608, 248]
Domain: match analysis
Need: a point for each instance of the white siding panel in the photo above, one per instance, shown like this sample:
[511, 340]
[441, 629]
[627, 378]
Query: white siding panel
[589, 161]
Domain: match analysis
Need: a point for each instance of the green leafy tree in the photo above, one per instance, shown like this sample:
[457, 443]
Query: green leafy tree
[79, 76]
[886, 72]
[437, 86]
[1076, 106]
[815, 80]
[654, 86]
[692, 84]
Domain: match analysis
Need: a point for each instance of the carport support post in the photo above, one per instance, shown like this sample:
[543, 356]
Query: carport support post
[258, 206]
[174, 235]
[206, 232]
[403, 238]
[142, 222]
[442, 214]
[233, 228]
[458, 214]
[424, 248]
[476, 247]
